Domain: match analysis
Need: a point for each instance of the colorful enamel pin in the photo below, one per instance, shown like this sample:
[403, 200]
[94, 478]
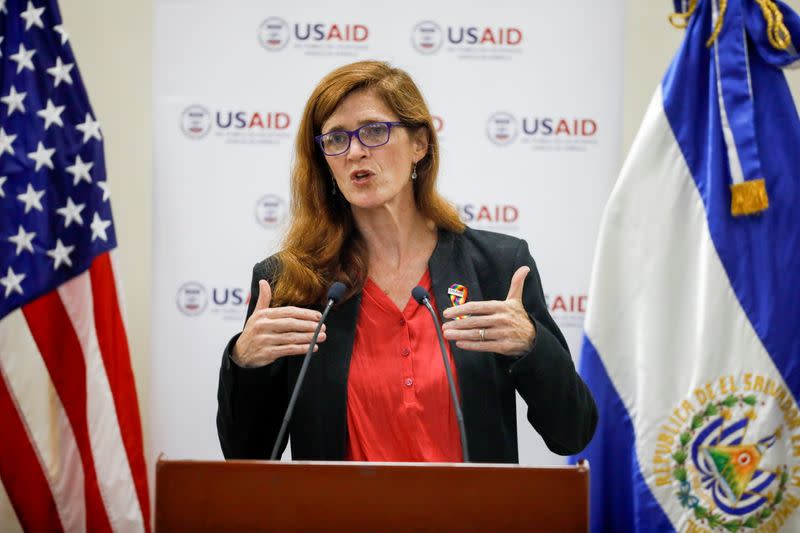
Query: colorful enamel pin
[458, 295]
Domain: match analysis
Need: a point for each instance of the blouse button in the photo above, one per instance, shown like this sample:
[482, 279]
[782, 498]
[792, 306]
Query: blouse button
[402, 321]
[409, 382]
[405, 352]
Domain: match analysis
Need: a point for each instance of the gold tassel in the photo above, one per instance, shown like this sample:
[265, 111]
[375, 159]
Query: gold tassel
[779, 37]
[749, 197]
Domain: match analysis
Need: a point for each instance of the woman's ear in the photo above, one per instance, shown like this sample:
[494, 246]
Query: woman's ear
[420, 140]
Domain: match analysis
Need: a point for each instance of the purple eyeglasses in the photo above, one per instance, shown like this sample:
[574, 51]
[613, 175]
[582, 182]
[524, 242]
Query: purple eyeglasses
[370, 135]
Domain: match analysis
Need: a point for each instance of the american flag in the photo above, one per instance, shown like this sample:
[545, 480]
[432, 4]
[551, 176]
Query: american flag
[71, 455]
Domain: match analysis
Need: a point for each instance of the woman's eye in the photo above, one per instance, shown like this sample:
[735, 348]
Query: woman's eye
[375, 129]
[337, 138]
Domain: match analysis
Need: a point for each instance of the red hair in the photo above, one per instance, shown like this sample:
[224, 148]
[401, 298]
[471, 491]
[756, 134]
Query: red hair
[322, 244]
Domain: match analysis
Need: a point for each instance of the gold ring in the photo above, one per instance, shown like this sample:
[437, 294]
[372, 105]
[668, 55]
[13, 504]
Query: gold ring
[482, 333]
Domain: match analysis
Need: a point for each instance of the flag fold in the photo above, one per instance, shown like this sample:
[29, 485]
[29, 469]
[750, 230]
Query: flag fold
[71, 451]
[691, 346]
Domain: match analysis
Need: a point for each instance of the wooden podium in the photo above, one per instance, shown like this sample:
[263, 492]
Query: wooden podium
[281, 496]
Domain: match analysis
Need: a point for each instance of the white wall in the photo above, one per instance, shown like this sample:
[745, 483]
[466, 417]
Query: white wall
[112, 43]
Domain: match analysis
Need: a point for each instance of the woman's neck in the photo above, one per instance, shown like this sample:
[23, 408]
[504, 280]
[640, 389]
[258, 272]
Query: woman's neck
[394, 235]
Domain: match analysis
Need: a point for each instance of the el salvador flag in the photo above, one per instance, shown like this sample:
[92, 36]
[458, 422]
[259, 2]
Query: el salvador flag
[692, 336]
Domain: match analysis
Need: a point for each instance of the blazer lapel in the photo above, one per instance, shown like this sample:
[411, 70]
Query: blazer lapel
[448, 266]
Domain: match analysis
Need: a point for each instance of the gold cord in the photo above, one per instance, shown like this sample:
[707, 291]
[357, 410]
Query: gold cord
[779, 37]
[723, 5]
[681, 20]
[777, 33]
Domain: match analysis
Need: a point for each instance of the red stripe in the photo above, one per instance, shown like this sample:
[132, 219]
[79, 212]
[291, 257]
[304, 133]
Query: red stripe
[113, 343]
[61, 351]
[22, 473]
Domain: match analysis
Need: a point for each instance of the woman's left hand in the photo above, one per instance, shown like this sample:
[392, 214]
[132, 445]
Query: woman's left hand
[493, 326]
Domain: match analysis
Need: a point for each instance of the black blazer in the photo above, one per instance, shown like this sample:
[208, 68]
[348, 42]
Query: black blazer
[252, 401]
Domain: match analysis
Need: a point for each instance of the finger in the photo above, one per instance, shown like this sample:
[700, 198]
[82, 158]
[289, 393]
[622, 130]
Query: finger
[478, 346]
[474, 308]
[285, 339]
[285, 325]
[465, 335]
[264, 295]
[473, 322]
[517, 283]
[290, 349]
[294, 312]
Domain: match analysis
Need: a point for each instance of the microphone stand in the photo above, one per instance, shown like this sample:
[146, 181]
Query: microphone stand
[334, 294]
[421, 296]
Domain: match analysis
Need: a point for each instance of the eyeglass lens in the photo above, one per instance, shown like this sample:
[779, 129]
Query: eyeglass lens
[370, 135]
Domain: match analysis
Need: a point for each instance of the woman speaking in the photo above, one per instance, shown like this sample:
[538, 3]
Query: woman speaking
[365, 212]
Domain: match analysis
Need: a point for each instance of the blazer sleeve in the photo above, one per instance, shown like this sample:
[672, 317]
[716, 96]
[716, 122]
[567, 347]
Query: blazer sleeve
[560, 405]
[250, 401]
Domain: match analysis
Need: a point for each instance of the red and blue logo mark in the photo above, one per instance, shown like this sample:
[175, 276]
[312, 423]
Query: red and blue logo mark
[428, 36]
[274, 33]
[503, 128]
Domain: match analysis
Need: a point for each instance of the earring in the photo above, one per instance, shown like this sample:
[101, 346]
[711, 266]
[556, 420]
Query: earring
[333, 185]
[414, 172]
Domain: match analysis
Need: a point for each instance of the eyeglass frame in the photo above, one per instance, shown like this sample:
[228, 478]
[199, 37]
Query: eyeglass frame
[355, 132]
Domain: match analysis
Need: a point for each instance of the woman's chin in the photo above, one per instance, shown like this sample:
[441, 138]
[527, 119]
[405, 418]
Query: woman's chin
[366, 202]
[373, 198]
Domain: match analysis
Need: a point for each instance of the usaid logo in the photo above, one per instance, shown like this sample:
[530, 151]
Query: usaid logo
[478, 36]
[227, 303]
[354, 33]
[468, 42]
[483, 214]
[566, 303]
[438, 123]
[501, 128]
[567, 127]
[271, 211]
[195, 122]
[273, 33]
[543, 133]
[236, 126]
[192, 299]
[568, 310]
[250, 120]
[427, 37]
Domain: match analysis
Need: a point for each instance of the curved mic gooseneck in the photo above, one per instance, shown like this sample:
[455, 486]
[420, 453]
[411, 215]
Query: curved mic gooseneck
[335, 294]
[422, 298]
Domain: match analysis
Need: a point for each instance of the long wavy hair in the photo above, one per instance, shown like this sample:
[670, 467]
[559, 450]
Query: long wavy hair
[322, 244]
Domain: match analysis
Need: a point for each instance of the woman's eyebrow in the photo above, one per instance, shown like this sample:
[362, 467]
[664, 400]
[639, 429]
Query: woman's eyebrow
[362, 122]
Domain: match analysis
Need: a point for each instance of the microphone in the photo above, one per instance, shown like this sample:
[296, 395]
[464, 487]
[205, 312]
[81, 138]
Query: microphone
[422, 298]
[335, 294]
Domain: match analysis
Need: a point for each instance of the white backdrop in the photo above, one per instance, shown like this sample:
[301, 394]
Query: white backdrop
[528, 100]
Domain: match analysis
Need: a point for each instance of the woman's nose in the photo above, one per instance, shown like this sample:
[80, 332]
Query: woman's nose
[357, 150]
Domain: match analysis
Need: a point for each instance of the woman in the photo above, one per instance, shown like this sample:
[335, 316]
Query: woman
[365, 212]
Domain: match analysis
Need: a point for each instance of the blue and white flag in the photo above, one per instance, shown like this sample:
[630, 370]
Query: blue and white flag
[692, 339]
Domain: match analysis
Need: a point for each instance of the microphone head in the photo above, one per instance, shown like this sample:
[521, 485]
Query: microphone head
[336, 291]
[419, 294]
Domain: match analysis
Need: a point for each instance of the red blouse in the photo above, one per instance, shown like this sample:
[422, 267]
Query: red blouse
[398, 399]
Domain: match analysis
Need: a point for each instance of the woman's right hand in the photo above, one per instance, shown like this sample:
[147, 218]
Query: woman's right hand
[275, 332]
